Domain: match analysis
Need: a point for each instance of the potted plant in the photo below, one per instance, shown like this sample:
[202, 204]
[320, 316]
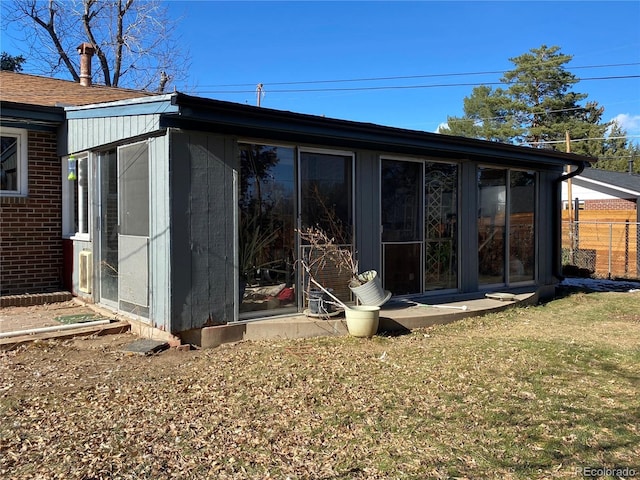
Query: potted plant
[322, 251]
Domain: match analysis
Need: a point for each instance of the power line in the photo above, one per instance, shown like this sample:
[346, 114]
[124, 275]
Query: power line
[408, 77]
[587, 139]
[501, 117]
[394, 87]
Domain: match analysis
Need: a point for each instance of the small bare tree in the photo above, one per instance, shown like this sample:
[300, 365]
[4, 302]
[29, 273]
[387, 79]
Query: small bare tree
[133, 39]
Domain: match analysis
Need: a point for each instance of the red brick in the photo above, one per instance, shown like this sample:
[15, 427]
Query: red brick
[30, 227]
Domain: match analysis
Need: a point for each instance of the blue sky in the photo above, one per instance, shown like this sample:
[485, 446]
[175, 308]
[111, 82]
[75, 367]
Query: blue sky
[274, 43]
[246, 43]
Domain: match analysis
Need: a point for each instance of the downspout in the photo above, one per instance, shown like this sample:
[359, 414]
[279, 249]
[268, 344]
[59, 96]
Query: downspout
[557, 220]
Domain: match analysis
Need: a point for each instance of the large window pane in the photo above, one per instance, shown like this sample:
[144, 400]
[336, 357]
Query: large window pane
[266, 227]
[109, 267]
[441, 226]
[521, 226]
[401, 201]
[326, 202]
[492, 188]
[325, 189]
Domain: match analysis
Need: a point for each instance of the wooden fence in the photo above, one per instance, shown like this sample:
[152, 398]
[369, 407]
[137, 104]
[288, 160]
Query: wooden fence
[603, 241]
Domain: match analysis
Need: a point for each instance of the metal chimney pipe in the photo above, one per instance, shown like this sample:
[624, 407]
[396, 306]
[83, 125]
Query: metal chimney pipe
[86, 52]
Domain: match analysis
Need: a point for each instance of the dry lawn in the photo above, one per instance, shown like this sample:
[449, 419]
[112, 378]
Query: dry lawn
[532, 392]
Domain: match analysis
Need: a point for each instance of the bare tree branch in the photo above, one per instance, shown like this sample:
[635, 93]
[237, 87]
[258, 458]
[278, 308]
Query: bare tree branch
[87, 19]
[49, 27]
[133, 40]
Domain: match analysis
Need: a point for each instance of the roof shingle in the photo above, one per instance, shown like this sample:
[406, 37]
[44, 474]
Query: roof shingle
[36, 90]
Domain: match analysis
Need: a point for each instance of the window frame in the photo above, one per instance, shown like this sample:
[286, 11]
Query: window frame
[73, 209]
[22, 161]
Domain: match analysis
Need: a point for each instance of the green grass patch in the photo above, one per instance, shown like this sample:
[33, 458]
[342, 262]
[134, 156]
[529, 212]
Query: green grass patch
[80, 318]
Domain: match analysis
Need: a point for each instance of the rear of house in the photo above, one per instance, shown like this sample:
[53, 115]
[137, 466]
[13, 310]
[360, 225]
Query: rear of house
[182, 211]
[194, 204]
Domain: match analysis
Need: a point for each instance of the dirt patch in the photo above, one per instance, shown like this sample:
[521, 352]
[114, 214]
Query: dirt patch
[36, 316]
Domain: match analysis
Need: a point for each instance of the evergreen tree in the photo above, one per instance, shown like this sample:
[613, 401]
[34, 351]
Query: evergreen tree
[11, 63]
[618, 152]
[536, 107]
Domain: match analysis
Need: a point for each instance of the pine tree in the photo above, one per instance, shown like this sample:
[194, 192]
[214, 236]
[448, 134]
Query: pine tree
[536, 107]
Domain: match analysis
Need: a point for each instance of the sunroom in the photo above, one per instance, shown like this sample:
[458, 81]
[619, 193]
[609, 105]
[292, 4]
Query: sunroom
[193, 207]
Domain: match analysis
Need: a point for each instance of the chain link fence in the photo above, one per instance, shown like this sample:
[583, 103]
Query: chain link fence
[604, 249]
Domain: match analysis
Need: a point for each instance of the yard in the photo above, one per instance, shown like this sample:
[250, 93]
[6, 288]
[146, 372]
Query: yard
[538, 392]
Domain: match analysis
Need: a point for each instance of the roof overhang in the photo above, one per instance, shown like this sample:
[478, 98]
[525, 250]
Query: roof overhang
[33, 117]
[256, 122]
[152, 105]
[606, 188]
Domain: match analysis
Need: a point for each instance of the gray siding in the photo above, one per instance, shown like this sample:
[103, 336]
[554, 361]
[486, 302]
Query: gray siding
[468, 225]
[202, 236]
[88, 133]
[367, 210]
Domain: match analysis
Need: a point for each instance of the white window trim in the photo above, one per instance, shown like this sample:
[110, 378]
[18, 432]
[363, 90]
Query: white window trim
[22, 163]
[69, 213]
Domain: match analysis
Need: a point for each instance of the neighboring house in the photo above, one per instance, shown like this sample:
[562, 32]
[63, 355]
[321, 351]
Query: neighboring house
[191, 205]
[33, 137]
[600, 230]
[597, 189]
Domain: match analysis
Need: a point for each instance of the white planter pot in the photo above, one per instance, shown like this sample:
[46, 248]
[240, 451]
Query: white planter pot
[371, 293]
[362, 320]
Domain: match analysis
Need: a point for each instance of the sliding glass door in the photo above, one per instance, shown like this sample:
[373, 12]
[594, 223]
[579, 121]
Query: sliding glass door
[506, 226]
[401, 202]
[326, 201]
[266, 229]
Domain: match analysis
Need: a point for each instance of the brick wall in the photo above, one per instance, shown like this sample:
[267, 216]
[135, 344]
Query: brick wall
[611, 204]
[31, 227]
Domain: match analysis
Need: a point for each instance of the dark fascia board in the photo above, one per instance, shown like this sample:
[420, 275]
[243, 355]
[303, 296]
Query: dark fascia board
[258, 122]
[37, 117]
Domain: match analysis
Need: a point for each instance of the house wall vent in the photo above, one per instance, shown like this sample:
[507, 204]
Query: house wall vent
[85, 274]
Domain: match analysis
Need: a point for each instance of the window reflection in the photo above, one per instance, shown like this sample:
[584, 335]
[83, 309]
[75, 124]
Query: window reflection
[9, 163]
[325, 189]
[326, 202]
[506, 216]
[521, 226]
[266, 227]
[492, 186]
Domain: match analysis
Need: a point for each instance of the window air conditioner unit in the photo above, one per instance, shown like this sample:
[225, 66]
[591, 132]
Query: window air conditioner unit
[85, 273]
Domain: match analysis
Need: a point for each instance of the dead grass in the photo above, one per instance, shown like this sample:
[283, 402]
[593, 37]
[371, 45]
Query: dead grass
[528, 393]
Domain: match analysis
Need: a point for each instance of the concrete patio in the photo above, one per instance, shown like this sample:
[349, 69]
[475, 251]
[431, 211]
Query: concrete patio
[41, 322]
[397, 315]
